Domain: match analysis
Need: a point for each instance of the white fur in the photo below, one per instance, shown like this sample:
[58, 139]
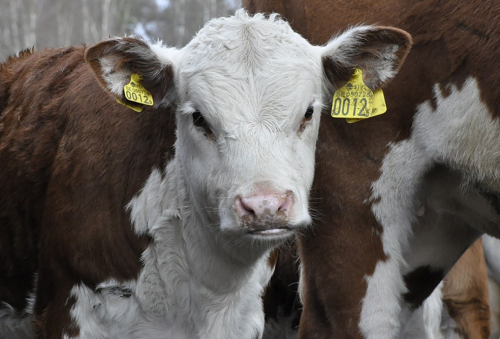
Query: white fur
[395, 211]
[425, 322]
[461, 134]
[14, 325]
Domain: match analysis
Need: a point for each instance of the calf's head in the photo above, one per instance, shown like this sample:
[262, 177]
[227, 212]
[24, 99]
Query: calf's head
[248, 93]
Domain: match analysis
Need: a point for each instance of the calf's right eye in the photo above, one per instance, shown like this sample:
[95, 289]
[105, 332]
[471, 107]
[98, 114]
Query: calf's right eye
[199, 120]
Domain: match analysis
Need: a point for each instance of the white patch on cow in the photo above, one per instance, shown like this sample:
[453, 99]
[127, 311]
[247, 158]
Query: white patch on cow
[104, 314]
[14, 325]
[425, 322]
[281, 328]
[395, 211]
[459, 133]
[114, 80]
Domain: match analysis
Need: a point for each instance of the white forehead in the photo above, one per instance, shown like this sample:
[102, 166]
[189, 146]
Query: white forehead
[253, 61]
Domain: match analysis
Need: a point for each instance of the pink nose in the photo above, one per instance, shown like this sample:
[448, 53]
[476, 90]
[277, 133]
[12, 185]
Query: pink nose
[266, 206]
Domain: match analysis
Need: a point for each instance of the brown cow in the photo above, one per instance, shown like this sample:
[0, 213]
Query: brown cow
[404, 194]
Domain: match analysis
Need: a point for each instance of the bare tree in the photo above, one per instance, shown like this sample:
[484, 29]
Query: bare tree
[56, 23]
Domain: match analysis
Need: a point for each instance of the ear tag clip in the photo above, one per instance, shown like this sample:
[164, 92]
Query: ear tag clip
[134, 91]
[355, 101]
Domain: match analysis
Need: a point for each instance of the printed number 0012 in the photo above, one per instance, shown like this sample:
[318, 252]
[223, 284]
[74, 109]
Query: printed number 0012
[342, 106]
[132, 96]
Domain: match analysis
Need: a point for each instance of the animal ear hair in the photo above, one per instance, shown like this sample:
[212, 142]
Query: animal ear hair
[378, 51]
[114, 61]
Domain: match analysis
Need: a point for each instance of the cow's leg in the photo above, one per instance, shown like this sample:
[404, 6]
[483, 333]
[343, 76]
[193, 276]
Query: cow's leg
[333, 272]
[53, 304]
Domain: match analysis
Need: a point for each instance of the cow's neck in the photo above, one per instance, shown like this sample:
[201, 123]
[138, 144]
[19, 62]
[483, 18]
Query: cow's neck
[185, 248]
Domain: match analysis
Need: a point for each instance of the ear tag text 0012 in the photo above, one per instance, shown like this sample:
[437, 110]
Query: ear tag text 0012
[134, 91]
[355, 101]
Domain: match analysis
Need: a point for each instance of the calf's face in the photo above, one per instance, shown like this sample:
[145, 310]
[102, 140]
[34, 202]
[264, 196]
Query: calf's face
[250, 100]
[249, 92]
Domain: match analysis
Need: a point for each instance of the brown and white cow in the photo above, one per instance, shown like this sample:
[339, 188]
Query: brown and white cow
[118, 224]
[458, 308]
[404, 194]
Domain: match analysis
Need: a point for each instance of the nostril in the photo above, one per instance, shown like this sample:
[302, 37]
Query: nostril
[286, 202]
[242, 208]
[246, 207]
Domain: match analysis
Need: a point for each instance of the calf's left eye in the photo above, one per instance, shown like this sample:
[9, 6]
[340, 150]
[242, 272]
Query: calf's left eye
[309, 113]
[199, 120]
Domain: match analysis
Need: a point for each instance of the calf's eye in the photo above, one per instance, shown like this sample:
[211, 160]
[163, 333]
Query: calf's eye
[199, 120]
[309, 113]
[307, 116]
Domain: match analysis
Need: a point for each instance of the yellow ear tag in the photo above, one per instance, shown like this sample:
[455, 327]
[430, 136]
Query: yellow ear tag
[355, 101]
[137, 108]
[134, 91]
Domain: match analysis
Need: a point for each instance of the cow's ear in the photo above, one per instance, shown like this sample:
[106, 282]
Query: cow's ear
[378, 51]
[114, 61]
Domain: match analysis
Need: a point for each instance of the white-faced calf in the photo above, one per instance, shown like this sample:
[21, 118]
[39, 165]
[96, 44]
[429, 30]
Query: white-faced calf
[124, 224]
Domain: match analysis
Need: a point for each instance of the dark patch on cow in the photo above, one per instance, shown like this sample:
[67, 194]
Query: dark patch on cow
[420, 284]
[465, 27]
[72, 159]
[493, 198]
[281, 296]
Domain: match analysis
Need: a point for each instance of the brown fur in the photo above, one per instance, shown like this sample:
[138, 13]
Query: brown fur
[450, 44]
[466, 295]
[72, 158]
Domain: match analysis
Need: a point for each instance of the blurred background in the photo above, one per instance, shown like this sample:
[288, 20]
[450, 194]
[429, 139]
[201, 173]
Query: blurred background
[58, 23]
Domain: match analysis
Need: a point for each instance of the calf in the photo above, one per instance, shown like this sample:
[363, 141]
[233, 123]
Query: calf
[402, 195]
[115, 223]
